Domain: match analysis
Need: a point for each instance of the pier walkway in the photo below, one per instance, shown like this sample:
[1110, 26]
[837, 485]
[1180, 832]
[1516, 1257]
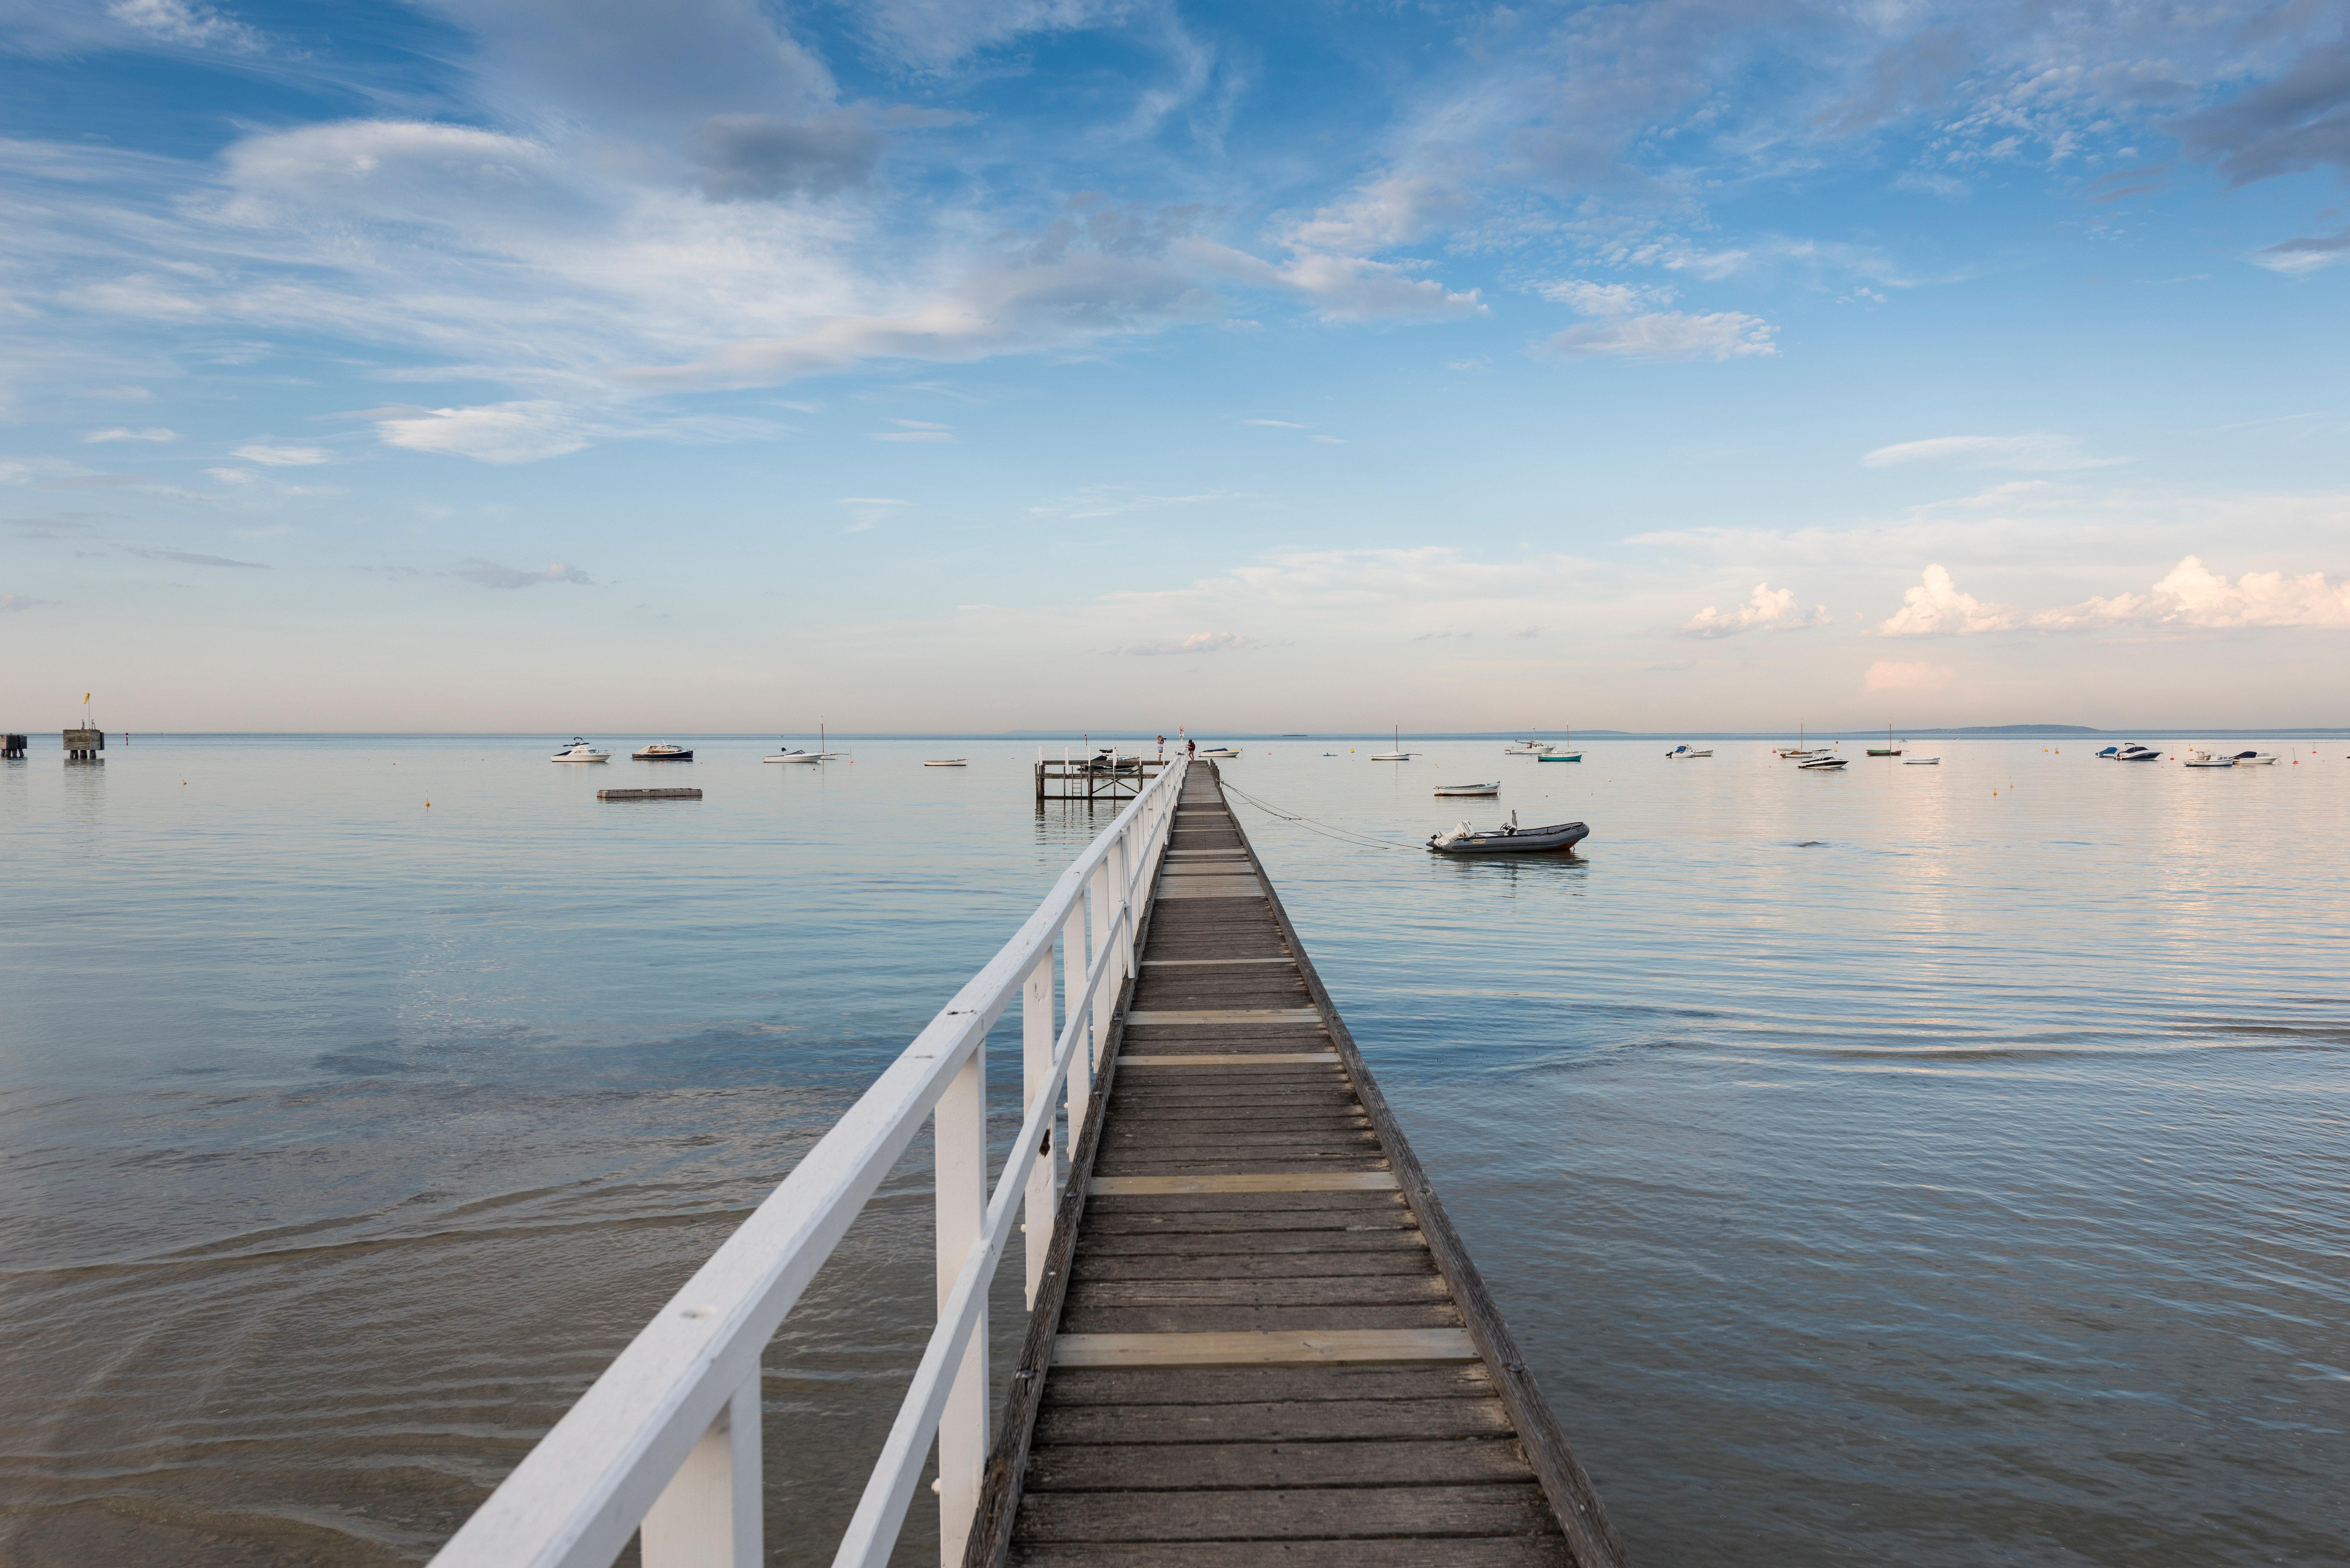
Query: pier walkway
[1254, 1337]
[1260, 1338]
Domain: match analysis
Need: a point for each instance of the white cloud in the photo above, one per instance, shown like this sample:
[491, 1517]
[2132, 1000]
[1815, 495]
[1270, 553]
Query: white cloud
[1198, 642]
[2041, 452]
[2194, 596]
[1663, 335]
[1766, 610]
[232, 475]
[1898, 675]
[191, 26]
[1114, 500]
[271, 456]
[1278, 424]
[910, 435]
[118, 433]
[496, 433]
[490, 575]
[1609, 299]
[1936, 608]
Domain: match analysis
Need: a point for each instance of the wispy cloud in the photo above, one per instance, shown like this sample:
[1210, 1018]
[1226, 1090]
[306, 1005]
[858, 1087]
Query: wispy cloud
[1117, 501]
[17, 604]
[273, 456]
[914, 430]
[119, 433]
[2039, 451]
[191, 558]
[1198, 642]
[490, 575]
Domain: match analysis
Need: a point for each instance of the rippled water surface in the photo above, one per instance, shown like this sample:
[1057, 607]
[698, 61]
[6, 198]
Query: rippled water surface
[1931, 1166]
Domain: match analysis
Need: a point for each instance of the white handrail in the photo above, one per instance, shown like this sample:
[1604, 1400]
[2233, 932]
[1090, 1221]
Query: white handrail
[668, 1436]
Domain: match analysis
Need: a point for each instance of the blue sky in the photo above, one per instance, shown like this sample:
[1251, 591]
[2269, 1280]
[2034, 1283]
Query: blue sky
[1050, 363]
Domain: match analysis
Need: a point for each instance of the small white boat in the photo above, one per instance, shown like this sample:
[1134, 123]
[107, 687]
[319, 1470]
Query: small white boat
[2256, 759]
[1921, 762]
[946, 762]
[663, 751]
[794, 756]
[1822, 763]
[2134, 752]
[1509, 838]
[1217, 751]
[1683, 754]
[1528, 747]
[2199, 758]
[1493, 788]
[579, 750]
[1397, 755]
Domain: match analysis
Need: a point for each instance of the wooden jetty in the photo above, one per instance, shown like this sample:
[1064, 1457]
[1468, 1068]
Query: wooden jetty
[1258, 1337]
[1096, 779]
[1254, 1336]
[648, 794]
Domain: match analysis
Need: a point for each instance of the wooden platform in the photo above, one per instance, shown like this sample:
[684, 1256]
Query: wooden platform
[1258, 1339]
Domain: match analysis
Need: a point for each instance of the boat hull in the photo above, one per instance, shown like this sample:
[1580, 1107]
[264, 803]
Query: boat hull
[1450, 791]
[660, 756]
[1560, 757]
[1525, 841]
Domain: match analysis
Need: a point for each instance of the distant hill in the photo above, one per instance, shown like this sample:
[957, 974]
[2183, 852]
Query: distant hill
[2023, 730]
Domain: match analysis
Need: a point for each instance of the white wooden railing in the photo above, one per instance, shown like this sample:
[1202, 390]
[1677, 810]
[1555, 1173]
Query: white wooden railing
[667, 1441]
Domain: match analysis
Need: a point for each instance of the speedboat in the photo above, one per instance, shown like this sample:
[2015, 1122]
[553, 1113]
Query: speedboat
[579, 750]
[2134, 752]
[1683, 754]
[1527, 748]
[2256, 759]
[1493, 788]
[2199, 758]
[1509, 840]
[946, 762]
[1823, 763]
[1220, 752]
[661, 752]
[790, 755]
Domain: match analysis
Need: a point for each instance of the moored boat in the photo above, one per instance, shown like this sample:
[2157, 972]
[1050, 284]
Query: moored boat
[1560, 757]
[1822, 762]
[2199, 758]
[1921, 762]
[1509, 840]
[2134, 752]
[794, 756]
[579, 750]
[1397, 755]
[946, 762]
[663, 751]
[2256, 759]
[1683, 754]
[1493, 788]
[1220, 752]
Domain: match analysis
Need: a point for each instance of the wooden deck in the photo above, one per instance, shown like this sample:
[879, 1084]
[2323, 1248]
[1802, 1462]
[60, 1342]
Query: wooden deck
[1258, 1339]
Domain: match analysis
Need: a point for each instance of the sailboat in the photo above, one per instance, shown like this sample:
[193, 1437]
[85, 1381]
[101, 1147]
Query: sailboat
[1398, 755]
[1799, 750]
[1551, 755]
[823, 752]
[1888, 749]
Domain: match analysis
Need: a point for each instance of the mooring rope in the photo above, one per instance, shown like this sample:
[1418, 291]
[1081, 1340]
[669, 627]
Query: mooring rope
[1343, 834]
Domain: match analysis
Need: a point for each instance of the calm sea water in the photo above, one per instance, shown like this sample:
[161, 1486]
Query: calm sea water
[1931, 1166]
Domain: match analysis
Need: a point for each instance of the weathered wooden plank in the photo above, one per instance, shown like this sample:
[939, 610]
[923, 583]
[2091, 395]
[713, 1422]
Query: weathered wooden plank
[1243, 1243]
[1184, 1466]
[1270, 1059]
[1212, 888]
[1348, 1205]
[1073, 1388]
[1335, 1513]
[1168, 1186]
[1116, 1162]
[1142, 1019]
[1274, 1266]
[1263, 1347]
[1454, 1552]
[1082, 1321]
[1191, 1128]
[1187, 963]
[1337, 1290]
[1165, 1142]
[1279, 1222]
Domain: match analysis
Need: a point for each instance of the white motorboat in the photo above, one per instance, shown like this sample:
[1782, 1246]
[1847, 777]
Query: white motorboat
[1683, 754]
[1822, 762]
[1397, 755]
[579, 750]
[2134, 752]
[1220, 752]
[1921, 762]
[663, 751]
[1493, 788]
[1509, 838]
[946, 762]
[1529, 747]
[2199, 758]
[2256, 759]
[790, 755]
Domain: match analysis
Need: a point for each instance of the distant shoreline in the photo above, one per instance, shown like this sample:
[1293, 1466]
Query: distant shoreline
[1970, 732]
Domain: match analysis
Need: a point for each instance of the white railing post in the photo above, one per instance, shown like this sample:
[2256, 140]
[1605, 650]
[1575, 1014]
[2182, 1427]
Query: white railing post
[1073, 1001]
[1104, 905]
[1036, 1039]
[959, 1131]
[708, 1515]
